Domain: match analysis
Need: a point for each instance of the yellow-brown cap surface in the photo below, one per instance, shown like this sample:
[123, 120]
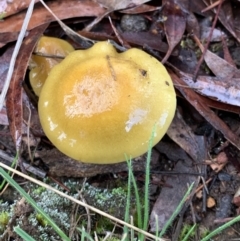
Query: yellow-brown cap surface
[98, 105]
[41, 65]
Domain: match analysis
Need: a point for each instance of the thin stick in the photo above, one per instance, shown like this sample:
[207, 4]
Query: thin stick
[15, 53]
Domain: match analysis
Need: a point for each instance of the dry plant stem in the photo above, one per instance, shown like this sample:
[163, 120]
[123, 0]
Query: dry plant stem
[192, 212]
[74, 214]
[204, 200]
[28, 132]
[89, 225]
[208, 42]
[96, 20]
[223, 220]
[14, 55]
[115, 31]
[59, 183]
[204, 184]
[118, 35]
[201, 186]
[81, 203]
[72, 34]
[73, 220]
[211, 6]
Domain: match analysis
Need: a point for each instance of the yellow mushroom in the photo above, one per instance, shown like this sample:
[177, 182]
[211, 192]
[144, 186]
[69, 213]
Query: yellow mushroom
[41, 65]
[99, 105]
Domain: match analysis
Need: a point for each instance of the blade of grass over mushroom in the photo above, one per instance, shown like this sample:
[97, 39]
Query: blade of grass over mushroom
[15, 53]
[33, 203]
[14, 95]
[195, 100]
[2, 172]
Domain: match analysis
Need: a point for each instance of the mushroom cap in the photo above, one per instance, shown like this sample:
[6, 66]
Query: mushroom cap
[42, 65]
[98, 105]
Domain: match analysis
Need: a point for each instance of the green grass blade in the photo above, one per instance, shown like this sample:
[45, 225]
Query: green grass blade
[147, 182]
[138, 203]
[127, 210]
[189, 233]
[33, 203]
[221, 228]
[84, 234]
[25, 236]
[12, 165]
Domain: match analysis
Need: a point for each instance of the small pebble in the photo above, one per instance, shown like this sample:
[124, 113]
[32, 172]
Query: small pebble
[211, 202]
[133, 23]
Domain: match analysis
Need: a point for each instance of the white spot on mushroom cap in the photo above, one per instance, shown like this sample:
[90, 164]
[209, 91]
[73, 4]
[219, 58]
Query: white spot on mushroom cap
[163, 119]
[45, 103]
[52, 125]
[72, 142]
[62, 136]
[136, 117]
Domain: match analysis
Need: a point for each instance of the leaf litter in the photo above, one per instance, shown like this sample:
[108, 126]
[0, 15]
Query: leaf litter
[212, 97]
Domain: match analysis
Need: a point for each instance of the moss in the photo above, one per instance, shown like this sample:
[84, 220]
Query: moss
[41, 220]
[112, 201]
[4, 219]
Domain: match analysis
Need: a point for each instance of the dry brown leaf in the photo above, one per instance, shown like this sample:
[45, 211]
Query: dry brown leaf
[14, 95]
[183, 135]
[220, 89]
[113, 5]
[195, 100]
[14, 6]
[174, 25]
[4, 65]
[63, 9]
[143, 8]
[220, 67]
[226, 18]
